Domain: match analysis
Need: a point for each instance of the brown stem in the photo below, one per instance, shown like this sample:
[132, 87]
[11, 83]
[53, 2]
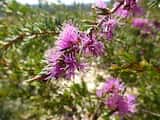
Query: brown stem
[17, 39]
[151, 113]
[97, 112]
[105, 12]
[38, 77]
[117, 7]
[22, 36]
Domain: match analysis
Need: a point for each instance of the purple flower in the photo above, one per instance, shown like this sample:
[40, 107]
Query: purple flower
[101, 4]
[131, 100]
[129, 4]
[109, 27]
[90, 46]
[143, 24]
[113, 93]
[112, 85]
[61, 65]
[132, 6]
[71, 65]
[122, 13]
[129, 7]
[54, 68]
[68, 37]
[56, 71]
[52, 55]
[99, 92]
[140, 22]
[113, 102]
[138, 11]
[123, 105]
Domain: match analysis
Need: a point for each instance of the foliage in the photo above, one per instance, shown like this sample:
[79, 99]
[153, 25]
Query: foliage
[26, 32]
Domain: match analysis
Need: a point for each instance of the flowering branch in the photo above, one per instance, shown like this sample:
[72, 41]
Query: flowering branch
[114, 97]
[74, 45]
[107, 11]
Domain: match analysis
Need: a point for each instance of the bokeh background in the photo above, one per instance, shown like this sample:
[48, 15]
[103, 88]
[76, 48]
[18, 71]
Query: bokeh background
[27, 30]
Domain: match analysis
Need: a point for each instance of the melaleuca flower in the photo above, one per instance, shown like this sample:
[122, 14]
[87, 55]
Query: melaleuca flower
[109, 27]
[62, 65]
[132, 6]
[129, 4]
[115, 99]
[68, 37]
[112, 85]
[140, 22]
[138, 11]
[122, 13]
[54, 67]
[71, 65]
[129, 7]
[113, 102]
[101, 4]
[143, 24]
[123, 105]
[91, 46]
[131, 100]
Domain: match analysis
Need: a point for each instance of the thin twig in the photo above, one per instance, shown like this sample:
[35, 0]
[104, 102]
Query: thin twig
[37, 78]
[151, 113]
[105, 12]
[117, 7]
[22, 36]
[97, 112]
[17, 39]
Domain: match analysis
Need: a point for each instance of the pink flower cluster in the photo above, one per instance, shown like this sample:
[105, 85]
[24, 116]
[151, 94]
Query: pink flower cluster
[112, 91]
[146, 26]
[72, 44]
[131, 7]
[65, 59]
[108, 22]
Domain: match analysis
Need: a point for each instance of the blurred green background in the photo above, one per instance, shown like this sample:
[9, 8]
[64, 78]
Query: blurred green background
[26, 32]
